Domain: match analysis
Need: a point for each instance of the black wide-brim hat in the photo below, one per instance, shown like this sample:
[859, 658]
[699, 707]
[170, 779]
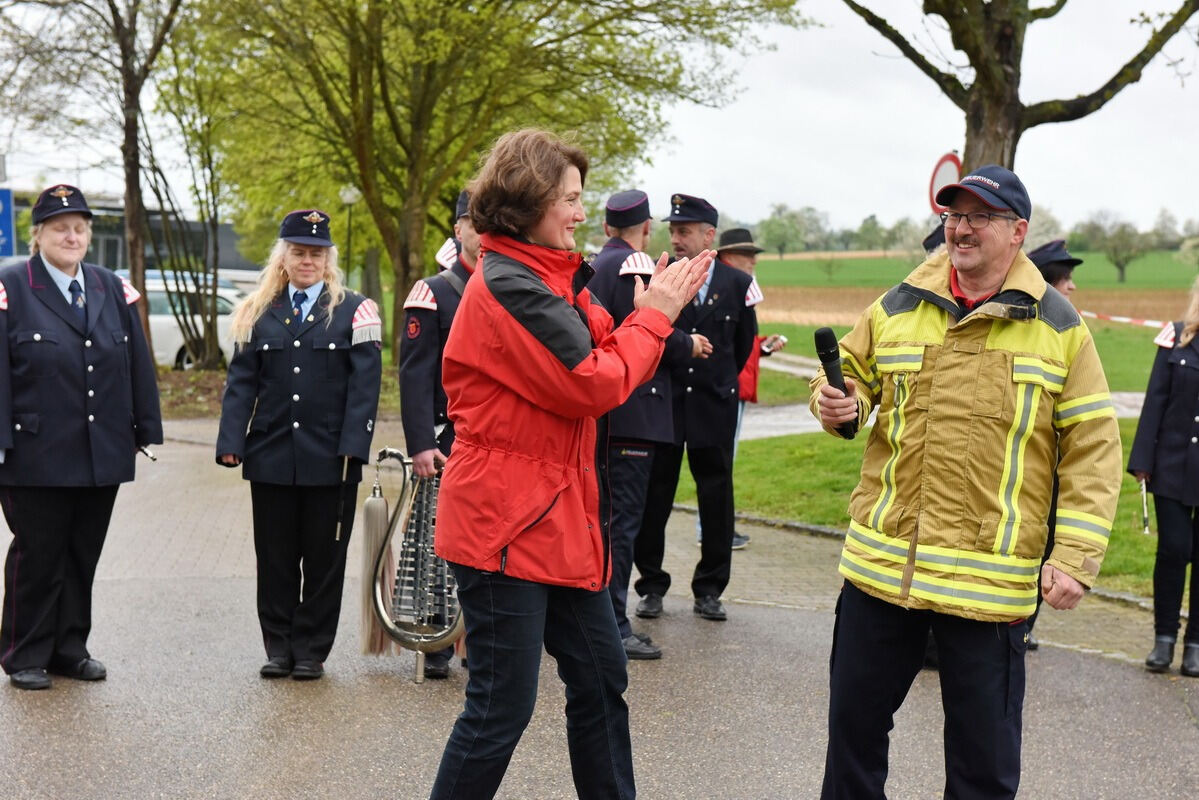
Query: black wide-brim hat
[738, 239]
[309, 226]
[59, 199]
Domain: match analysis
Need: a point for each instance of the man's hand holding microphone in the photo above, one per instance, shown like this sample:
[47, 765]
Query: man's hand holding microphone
[838, 399]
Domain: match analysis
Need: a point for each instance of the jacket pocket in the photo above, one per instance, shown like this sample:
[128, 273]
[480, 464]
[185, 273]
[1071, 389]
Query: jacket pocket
[272, 356]
[26, 423]
[336, 357]
[1030, 370]
[120, 341]
[899, 367]
[37, 354]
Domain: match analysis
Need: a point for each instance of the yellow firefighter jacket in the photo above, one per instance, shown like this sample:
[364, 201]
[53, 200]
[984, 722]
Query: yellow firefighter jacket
[974, 416]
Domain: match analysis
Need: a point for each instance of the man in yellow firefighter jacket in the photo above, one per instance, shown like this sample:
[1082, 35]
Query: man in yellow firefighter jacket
[985, 380]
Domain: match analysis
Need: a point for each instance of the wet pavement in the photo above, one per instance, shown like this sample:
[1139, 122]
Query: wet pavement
[734, 710]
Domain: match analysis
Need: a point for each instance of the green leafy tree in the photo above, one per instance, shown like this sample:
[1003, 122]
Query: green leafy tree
[783, 230]
[990, 34]
[1122, 243]
[111, 52]
[401, 98]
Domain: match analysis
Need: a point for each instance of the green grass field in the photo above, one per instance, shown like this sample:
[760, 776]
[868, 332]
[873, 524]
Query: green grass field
[1156, 270]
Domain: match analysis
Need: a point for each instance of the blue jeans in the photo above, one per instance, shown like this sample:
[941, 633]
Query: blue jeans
[508, 620]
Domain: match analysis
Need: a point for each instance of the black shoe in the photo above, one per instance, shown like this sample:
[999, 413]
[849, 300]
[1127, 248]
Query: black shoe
[710, 607]
[1190, 660]
[307, 670]
[637, 648]
[1032, 643]
[86, 669]
[650, 606]
[1161, 655]
[437, 668]
[276, 667]
[740, 541]
[30, 679]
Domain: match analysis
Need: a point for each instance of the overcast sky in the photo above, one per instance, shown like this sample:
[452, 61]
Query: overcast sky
[837, 119]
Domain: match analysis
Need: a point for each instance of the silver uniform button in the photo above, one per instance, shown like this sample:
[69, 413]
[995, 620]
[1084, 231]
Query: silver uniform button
[654, 390]
[87, 342]
[1182, 361]
[332, 346]
[296, 370]
[91, 418]
[296, 343]
[688, 388]
[295, 424]
[91, 368]
[295, 397]
[693, 330]
[1194, 439]
[17, 427]
[126, 338]
[91, 392]
[266, 347]
[690, 369]
[37, 337]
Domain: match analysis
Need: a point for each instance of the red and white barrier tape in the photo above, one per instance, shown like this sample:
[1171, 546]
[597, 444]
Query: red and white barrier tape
[1145, 323]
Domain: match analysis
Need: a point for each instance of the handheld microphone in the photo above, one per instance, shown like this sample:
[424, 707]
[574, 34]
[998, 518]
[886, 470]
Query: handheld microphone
[830, 358]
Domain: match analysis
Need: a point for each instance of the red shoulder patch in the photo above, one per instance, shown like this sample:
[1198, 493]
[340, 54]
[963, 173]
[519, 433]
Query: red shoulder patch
[413, 327]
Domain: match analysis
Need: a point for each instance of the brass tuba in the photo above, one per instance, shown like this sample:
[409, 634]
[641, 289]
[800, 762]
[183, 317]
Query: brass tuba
[410, 598]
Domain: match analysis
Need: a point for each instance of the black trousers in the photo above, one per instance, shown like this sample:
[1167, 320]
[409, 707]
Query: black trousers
[629, 464]
[878, 648]
[58, 533]
[1177, 546]
[301, 567]
[712, 468]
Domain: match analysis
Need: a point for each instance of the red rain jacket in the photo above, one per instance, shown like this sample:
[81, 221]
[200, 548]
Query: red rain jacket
[529, 365]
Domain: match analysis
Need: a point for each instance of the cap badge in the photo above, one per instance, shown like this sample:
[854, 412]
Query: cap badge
[315, 218]
[62, 193]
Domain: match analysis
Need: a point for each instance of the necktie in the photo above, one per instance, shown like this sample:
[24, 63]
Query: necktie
[298, 300]
[78, 304]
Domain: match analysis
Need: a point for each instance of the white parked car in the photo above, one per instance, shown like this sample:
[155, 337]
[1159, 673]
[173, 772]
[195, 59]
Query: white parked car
[169, 348]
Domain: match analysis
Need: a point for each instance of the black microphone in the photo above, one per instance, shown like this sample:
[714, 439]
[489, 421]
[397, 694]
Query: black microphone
[830, 358]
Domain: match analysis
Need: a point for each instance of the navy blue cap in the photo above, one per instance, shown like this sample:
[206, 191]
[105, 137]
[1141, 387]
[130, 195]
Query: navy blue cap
[685, 208]
[1054, 252]
[308, 226]
[997, 187]
[934, 239]
[738, 239]
[60, 199]
[463, 207]
[626, 209]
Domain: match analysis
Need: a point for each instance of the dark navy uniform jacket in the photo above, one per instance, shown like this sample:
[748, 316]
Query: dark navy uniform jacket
[1167, 439]
[705, 389]
[647, 413]
[75, 401]
[299, 397]
[429, 312]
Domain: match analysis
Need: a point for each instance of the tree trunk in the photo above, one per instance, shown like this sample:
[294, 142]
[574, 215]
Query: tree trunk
[992, 131]
[372, 283]
[134, 209]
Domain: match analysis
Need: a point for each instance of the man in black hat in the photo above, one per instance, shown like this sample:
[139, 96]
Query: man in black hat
[78, 397]
[704, 395]
[738, 249]
[643, 422]
[428, 313]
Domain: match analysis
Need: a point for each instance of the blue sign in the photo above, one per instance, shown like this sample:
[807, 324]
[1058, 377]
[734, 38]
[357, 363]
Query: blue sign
[8, 238]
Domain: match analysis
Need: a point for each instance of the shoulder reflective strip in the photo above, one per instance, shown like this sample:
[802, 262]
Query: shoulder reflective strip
[864, 377]
[1012, 478]
[753, 295]
[1082, 409]
[421, 296]
[895, 428]
[446, 254]
[638, 264]
[132, 295]
[3, 298]
[1166, 337]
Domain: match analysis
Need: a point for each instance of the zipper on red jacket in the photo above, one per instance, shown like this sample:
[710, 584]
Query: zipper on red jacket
[503, 558]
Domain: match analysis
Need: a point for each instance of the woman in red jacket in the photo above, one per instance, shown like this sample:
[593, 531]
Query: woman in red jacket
[529, 366]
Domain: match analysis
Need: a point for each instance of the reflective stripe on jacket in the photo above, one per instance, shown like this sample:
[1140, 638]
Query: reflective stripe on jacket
[974, 414]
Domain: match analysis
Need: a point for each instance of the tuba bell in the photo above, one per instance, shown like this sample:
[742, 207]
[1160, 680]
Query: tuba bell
[410, 597]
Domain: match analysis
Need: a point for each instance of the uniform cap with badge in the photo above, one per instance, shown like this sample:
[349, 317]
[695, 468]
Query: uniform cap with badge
[59, 199]
[308, 226]
[685, 208]
[626, 209]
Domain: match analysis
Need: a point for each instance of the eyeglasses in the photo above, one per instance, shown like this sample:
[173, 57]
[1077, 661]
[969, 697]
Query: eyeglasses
[975, 219]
